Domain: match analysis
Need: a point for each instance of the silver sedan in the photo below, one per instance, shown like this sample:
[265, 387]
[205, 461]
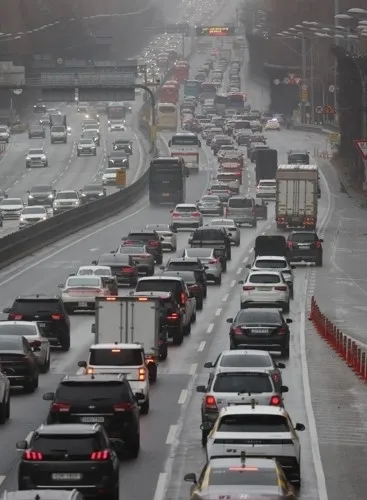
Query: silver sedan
[230, 226]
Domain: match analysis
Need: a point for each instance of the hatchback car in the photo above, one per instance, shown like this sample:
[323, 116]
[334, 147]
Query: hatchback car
[148, 237]
[41, 195]
[79, 292]
[31, 215]
[305, 246]
[186, 215]
[18, 362]
[264, 288]
[122, 266]
[260, 328]
[36, 132]
[11, 208]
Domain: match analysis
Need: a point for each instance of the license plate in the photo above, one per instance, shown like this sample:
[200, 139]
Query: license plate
[83, 304]
[260, 330]
[42, 325]
[263, 289]
[92, 420]
[66, 476]
[165, 194]
[304, 247]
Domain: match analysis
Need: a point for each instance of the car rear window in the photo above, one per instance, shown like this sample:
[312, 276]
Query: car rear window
[95, 391]
[303, 237]
[187, 275]
[267, 183]
[264, 278]
[32, 306]
[271, 264]
[116, 357]
[240, 203]
[70, 444]
[183, 266]
[14, 329]
[242, 383]
[253, 423]
[186, 209]
[208, 235]
[247, 360]
[237, 476]
[142, 237]
[258, 317]
[173, 286]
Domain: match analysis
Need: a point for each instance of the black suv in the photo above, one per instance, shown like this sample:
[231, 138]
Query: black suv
[104, 399]
[48, 311]
[213, 237]
[79, 456]
[19, 363]
[304, 246]
[150, 239]
[189, 264]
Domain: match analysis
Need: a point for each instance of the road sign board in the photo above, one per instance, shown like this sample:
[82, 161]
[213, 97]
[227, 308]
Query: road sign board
[121, 177]
[297, 80]
[328, 110]
[361, 145]
[334, 138]
[229, 30]
[319, 109]
[276, 81]
[331, 88]
[286, 80]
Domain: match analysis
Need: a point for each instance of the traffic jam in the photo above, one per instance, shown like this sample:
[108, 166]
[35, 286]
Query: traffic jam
[144, 304]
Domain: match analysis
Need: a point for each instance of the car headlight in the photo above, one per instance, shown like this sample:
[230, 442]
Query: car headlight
[111, 161]
[27, 158]
[44, 217]
[21, 219]
[83, 194]
[56, 203]
[76, 202]
[101, 194]
[49, 196]
[30, 196]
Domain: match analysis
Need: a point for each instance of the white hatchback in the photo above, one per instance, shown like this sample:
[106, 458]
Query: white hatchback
[264, 288]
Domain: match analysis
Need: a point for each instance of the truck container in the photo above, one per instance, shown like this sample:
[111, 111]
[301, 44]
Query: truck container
[57, 119]
[296, 196]
[266, 164]
[129, 320]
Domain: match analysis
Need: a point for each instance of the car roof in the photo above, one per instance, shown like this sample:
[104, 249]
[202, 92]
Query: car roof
[66, 429]
[248, 409]
[263, 463]
[271, 257]
[98, 377]
[117, 345]
[20, 323]
[39, 296]
[155, 278]
[244, 352]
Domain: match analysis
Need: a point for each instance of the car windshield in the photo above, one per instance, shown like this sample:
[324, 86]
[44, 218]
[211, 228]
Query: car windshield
[90, 133]
[210, 199]
[249, 383]
[239, 476]
[130, 250]
[253, 423]
[41, 189]
[271, 264]
[77, 281]
[267, 184]
[94, 188]
[258, 316]
[12, 201]
[199, 252]
[10, 344]
[86, 141]
[116, 357]
[303, 237]
[223, 223]
[6, 329]
[264, 278]
[34, 210]
[59, 128]
[188, 276]
[67, 195]
[245, 360]
[117, 154]
[36, 152]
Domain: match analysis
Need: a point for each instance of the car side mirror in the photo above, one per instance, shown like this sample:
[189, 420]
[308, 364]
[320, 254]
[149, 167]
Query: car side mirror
[22, 445]
[60, 286]
[284, 388]
[248, 266]
[241, 282]
[93, 328]
[48, 396]
[139, 396]
[94, 262]
[171, 211]
[321, 240]
[113, 251]
[28, 191]
[280, 365]
[206, 426]
[293, 267]
[300, 427]
[161, 238]
[6, 310]
[289, 320]
[208, 364]
[190, 478]
[169, 143]
[82, 364]
[36, 349]
[201, 389]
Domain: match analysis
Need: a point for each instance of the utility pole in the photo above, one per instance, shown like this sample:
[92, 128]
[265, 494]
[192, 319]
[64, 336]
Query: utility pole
[304, 75]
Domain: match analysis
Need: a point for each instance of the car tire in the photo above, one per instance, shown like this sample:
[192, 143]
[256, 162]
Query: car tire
[3, 413]
[46, 367]
[265, 217]
[187, 329]
[144, 408]
[8, 407]
[318, 262]
[30, 386]
[115, 495]
[204, 438]
[65, 345]
[177, 338]
[193, 317]
[134, 447]
[224, 266]
[153, 372]
[199, 305]
[159, 260]
[238, 243]
[78, 154]
[285, 352]
[286, 308]
[218, 281]
[254, 224]
[150, 272]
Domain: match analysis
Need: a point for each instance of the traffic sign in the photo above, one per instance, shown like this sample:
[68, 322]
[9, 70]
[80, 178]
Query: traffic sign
[334, 138]
[276, 81]
[328, 110]
[297, 80]
[17, 91]
[331, 88]
[319, 109]
[361, 145]
[121, 178]
[286, 80]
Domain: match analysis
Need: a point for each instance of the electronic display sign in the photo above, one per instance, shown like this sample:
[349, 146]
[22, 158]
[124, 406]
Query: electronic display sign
[215, 31]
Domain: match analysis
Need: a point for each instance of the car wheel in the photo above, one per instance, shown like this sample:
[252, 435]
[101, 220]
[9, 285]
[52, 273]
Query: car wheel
[318, 262]
[218, 281]
[46, 367]
[187, 328]
[224, 266]
[159, 260]
[8, 407]
[177, 337]
[286, 308]
[29, 386]
[193, 317]
[144, 408]
[204, 438]
[3, 412]
[285, 352]
[152, 371]
[115, 495]
[199, 305]
[254, 224]
[65, 345]
[238, 243]
[134, 446]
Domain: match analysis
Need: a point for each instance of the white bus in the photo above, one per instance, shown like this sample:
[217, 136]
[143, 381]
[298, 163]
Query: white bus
[187, 146]
[167, 116]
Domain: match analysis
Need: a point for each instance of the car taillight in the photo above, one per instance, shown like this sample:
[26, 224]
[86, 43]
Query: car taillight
[32, 455]
[282, 331]
[210, 402]
[60, 408]
[248, 288]
[253, 212]
[195, 214]
[127, 269]
[15, 316]
[57, 316]
[120, 407]
[182, 298]
[275, 401]
[213, 261]
[173, 316]
[35, 343]
[290, 244]
[100, 455]
[280, 288]
[227, 212]
[175, 214]
[128, 242]
[153, 243]
[141, 376]
[195, 288]
[276, 377]
[237, 330]
[318, 244]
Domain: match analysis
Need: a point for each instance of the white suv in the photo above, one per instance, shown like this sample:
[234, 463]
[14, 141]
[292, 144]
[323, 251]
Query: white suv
[274, 263]
[186, 215]
[265, 288]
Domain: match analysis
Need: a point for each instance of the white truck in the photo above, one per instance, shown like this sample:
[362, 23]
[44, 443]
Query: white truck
[186, 145]
[296, 196]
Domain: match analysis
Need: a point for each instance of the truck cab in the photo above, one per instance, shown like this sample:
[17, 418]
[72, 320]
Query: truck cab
[120, 358]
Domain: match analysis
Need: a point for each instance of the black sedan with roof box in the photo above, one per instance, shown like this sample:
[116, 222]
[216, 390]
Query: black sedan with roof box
[193, 285]
[122, 266]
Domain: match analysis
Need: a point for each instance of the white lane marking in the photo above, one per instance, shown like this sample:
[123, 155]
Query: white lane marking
[210, 328]
[225, 297]
[69, 245]
[233, 283]
[239, 270]
[245, 260]
[319, 471]
[171, 436]
[161, 486]
[183, 397]
[2, 479]
[217, 312]
[251, 249]
[201, 346]
[193, 369]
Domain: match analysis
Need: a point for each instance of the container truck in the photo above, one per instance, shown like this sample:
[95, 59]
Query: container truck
[296, 196]
[131, 320]
[266, 164]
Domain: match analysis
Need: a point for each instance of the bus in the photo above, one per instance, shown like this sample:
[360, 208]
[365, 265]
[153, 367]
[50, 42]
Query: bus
[186, 145]
[236, 100]
[169, 93]
[208, 91]
[192, 88]
[167, 116]
[220, 103]
[116, 111]
[167, 181]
